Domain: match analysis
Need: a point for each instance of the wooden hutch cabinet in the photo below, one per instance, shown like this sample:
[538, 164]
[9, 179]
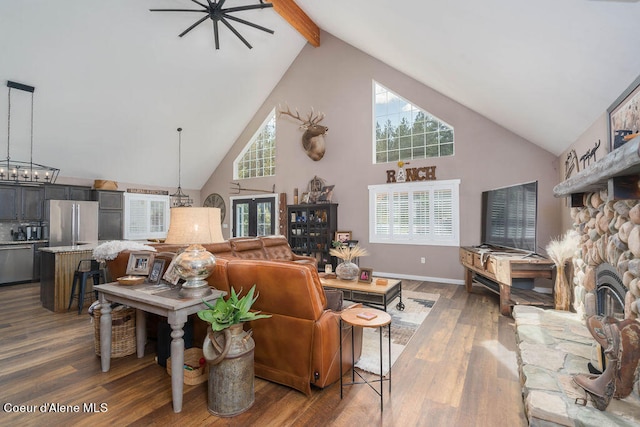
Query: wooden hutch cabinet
[312, 228]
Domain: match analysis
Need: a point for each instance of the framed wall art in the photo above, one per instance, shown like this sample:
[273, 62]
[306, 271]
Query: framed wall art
[139, 263]
[624, 116]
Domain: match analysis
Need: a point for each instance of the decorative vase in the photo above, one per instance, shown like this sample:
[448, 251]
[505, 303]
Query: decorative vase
[562, 290]
[194, 265]
[229, 354]
[347, 270]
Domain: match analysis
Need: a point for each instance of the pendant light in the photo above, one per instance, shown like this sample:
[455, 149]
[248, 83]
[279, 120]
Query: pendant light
[179, 198]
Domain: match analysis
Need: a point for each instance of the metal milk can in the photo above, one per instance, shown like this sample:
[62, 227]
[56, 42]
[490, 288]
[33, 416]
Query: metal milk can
[229, 354]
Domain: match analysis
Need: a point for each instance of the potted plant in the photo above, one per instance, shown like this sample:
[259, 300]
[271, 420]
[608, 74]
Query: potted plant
[228, 350]
[347, 269]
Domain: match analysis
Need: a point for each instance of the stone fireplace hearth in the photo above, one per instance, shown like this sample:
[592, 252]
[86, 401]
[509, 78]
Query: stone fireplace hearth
[554, 346]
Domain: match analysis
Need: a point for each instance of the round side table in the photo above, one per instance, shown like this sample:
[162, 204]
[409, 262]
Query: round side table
[366, 318]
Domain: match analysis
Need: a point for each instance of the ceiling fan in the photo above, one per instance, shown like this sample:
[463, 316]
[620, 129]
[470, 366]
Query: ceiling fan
[214, 10]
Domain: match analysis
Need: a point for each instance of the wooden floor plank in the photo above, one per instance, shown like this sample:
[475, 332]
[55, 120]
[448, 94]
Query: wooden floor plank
[459, 369]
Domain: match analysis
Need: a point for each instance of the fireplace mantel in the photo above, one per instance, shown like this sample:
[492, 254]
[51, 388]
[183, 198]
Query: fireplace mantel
[622, 162]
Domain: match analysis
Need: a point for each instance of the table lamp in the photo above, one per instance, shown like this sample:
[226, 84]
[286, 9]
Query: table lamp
[195, 227]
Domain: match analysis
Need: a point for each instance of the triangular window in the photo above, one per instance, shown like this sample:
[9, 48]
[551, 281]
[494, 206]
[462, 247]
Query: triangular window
[258, 158]
[404, 131]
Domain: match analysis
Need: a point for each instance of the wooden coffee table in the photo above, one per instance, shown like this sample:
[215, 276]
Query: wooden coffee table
[367, 293]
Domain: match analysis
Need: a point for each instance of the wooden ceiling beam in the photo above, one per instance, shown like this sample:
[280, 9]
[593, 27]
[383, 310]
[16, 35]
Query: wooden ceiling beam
[299, 20]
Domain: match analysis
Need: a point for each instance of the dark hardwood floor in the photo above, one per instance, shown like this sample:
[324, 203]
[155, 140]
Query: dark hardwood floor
[458, 370]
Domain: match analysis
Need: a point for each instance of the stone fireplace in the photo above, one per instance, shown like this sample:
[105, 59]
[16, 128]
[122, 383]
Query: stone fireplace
[607, 263]
[554, 346]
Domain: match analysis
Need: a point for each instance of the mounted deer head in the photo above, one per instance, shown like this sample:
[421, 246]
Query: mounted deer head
[313, 137]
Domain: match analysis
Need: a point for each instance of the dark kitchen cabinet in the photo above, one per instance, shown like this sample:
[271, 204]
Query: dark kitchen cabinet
[21, 203]
[37, 257]
[66, 192]
[9, 199]
[110, 214]
[32, 203]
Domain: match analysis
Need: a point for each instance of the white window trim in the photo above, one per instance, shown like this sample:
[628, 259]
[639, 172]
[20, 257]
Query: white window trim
[148, 198]
[452, 240]
[251, 141]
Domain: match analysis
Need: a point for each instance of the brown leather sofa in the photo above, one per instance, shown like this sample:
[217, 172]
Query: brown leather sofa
[300, 344]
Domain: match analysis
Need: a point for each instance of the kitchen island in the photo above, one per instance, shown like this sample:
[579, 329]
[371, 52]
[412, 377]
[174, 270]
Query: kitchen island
[58, 264]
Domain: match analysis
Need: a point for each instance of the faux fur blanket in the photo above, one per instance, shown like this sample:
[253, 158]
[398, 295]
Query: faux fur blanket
[110, 250]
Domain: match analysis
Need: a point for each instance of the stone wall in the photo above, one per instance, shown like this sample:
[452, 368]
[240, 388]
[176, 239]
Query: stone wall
[609, 233]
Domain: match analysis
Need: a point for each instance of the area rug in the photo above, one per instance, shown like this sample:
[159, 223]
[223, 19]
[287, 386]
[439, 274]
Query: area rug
[404, 324]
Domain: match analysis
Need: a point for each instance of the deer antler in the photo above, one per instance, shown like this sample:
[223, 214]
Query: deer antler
[314, 120]
[289, 113]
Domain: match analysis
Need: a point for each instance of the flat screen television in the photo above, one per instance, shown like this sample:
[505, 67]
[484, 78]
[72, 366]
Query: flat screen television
[509, 216]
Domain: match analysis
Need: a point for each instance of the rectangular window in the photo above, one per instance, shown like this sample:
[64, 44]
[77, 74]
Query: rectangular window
[415, 213]
[146, 216]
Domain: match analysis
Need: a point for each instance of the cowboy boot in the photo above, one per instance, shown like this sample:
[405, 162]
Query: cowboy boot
[599, 387]
[628, 357]
[628, 351]
[602, 388]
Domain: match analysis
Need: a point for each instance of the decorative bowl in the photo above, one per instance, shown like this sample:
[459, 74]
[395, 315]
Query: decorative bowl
[130, 280]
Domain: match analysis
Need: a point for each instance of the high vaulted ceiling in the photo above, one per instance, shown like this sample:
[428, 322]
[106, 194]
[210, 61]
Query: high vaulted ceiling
[114, 81]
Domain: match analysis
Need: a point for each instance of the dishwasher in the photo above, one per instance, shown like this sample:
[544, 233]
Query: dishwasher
[16, 263]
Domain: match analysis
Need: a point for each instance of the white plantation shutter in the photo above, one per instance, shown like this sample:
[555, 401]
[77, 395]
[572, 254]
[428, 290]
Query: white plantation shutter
[400, 214]
[382, 214]
[146, 216]
[420, 213]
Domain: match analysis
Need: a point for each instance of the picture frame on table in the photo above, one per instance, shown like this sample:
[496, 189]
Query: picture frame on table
[365, 275]
[156, 272]
[343, 236]
[171, 275]
[624, 116]
[139, 263]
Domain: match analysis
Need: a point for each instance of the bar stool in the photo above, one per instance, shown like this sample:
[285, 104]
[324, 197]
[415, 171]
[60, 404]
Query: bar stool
[366, 318]
[86, 268]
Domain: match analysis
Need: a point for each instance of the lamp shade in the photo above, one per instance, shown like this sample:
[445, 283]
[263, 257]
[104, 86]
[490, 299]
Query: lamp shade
[194, 225]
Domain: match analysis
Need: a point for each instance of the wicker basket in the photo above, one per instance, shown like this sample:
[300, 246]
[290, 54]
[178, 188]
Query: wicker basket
[123, 331]
[198, 374]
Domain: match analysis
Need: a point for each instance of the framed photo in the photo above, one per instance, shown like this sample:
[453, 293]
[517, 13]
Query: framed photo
[156, 271]
[326, 194]
[171, 275]
[139, 263]
[624, 116]
[343, 236]
[365, 275]
[305, 198]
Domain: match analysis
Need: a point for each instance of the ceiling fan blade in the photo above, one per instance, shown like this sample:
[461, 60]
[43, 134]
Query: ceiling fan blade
[198, 22]
[234, 31]
[215, 34]
[250, 7]
[201, 4]
[251, 24]
[177, 10]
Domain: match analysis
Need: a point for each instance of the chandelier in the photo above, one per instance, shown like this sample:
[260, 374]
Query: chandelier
[179, 198]
[23, 171]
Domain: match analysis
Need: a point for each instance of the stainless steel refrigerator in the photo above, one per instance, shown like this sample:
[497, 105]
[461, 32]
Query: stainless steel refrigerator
[72, 221]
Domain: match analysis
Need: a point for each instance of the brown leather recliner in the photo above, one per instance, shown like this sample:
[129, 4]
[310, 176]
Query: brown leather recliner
[300, 344]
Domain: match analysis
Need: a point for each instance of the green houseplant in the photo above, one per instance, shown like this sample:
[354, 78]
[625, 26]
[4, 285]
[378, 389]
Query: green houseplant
[228, 350]
[232, 311]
